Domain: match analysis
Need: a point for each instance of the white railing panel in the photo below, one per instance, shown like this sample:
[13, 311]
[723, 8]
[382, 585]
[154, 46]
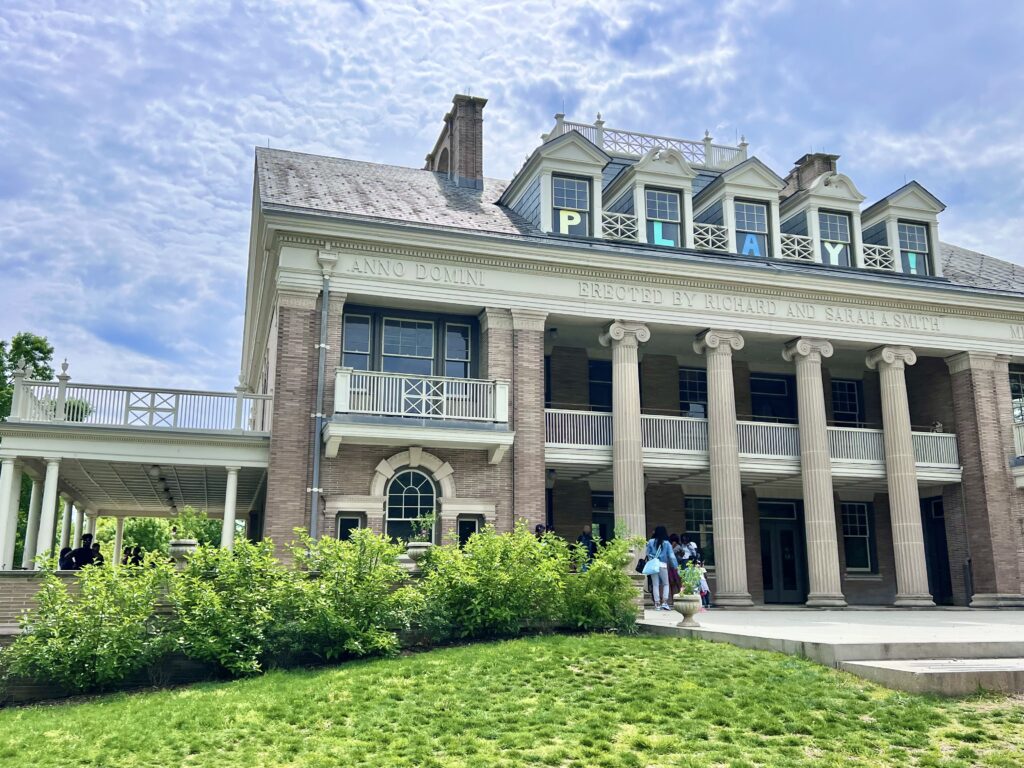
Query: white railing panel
[854, 444]
[619, 226]
[674, 433]
[797, 247]
[757, 438]
[878, 257]
[427, 397]
[938, 448]
[1018, 438]
[710, 237]
[577, 427]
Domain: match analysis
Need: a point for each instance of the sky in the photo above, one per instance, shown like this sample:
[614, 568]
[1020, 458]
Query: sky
[127, 128]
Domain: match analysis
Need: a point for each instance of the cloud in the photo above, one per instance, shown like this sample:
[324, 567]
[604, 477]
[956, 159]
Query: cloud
[127, 131]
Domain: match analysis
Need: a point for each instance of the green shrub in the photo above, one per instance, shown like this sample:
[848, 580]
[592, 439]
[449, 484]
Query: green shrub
[495, 586]
[352, 603]
[97, 635]
[232, 607]
[601, 596]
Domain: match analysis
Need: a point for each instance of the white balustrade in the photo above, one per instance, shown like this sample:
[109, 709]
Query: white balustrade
[878, 257]
[797, 247]
[109, 406]
[854, 444]
[563, 427]
[675, 433]
[758, 438]
[936, 448]
[710, 237]
[1018, 438]
[425, 397]
[619, 226]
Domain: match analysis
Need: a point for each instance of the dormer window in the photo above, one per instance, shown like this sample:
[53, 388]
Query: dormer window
[570, 199]
[913, 247]
[752, 228]
[835, 238]
[663, 218]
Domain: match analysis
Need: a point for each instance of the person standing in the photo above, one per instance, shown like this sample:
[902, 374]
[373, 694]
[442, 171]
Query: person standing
[586, 542]
[659, 548]
[83, 556]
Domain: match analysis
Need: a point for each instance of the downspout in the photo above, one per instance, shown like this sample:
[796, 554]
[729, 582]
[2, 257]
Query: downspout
[327, 261]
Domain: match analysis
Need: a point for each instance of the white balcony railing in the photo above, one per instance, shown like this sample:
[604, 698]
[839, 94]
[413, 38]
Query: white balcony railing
[710, 237]
[938, 448]
[757, 438]
[854, 444]
[424, 397]
[878, 257]
[50, 402]
[797, 247]
[619, 226]
[572, 428]
[675, 433]
[1018, 438]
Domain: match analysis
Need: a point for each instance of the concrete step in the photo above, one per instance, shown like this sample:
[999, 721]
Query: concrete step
[945, 677]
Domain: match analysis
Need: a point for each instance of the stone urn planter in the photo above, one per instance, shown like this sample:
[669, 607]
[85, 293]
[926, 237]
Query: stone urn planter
[417, 550]
[181, 550]
[689, 606]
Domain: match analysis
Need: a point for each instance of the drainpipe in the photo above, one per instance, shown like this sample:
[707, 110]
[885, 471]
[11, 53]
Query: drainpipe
[327, 261]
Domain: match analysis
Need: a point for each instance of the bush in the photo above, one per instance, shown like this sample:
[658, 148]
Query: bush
[95, 636]
[497, 585]
[602, 596]
[352, 603]
[232, 606]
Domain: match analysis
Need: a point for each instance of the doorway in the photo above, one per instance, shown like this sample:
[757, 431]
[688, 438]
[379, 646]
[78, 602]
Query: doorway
[936, 554]
[783, 567]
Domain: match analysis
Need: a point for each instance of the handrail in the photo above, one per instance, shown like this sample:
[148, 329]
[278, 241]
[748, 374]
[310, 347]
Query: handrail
[381, 393]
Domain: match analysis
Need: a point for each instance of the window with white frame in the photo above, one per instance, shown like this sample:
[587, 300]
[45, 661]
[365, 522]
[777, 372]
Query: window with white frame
[408, 346]
[411, 497]
[570, 200]
[346, 525]
[835, 238]
[457, 350]
[856, 517]
[847, 405]
[356, 342]
[663, 217]
[693, 392]
[700, 525]
[1017, 395]
[913, 247]
[751, 228]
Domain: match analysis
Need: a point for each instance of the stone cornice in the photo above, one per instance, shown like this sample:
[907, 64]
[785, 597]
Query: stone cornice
[976, 361]
[495, 318]
[814, 349]
[890, 357]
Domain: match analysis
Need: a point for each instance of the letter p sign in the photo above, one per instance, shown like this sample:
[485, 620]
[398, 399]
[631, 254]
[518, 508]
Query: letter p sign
[567, 220]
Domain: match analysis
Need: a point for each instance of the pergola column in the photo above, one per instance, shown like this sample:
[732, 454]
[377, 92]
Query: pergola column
[66, 522]
[35, 505]
[816, 471]
[901, 473]
[79, 519]
[44, 542]
[93, 518]
[723, 450]
[227, 531]
[627, 448]
[10, 495]
[118, 539]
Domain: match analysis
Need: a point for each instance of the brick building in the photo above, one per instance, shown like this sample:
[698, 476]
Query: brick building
[633, 331]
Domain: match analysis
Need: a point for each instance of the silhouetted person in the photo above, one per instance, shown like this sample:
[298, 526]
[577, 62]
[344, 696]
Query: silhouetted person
[586, 541]
[97, 556]
[83, 556]
[65, 561]
[538, 530]
[136, 555]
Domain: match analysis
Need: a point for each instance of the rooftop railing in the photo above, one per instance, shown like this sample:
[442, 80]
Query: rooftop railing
[704, 153]
[426, 397]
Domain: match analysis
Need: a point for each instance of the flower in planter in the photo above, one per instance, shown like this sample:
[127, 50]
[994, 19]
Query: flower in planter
[423, 528]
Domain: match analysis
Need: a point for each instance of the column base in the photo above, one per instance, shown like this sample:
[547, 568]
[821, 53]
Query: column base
[997, 600]
[733, 600]
[914, 601]
[825, 600]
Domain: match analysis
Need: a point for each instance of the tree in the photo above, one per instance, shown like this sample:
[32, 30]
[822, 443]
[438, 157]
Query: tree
[34, 350]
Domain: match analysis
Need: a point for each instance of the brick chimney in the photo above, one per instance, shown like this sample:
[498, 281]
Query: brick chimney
[459, 150]
[807, 169]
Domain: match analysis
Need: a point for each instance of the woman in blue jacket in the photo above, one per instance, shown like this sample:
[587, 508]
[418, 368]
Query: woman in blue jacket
[660, 548]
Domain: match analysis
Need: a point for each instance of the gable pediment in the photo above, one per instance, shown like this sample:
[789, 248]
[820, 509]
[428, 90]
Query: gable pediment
[837, 186]
[753, 173]
[915, 197]
[572, 148]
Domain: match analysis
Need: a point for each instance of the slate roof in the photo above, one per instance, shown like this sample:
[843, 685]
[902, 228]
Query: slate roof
[318, 184]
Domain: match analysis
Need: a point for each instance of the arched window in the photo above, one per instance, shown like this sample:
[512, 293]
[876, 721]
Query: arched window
[411, 496]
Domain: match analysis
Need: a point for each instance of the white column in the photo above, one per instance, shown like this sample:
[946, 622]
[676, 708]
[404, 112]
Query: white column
[640, 211]
[79, 519]
[66, 522]
[44, 542]
[227, 531]
[892, 236]
[934, 254]
[10, 492]
[723, 450]
[856, 240]
[814, 232]
[826, 589]
[729, 220]
[35, 505]
[901, 473]
[774, 230]
[687, 217]
[118, 539]
[627, 449]
[90, 527]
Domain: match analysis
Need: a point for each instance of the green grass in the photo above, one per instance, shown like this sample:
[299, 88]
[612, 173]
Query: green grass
[551, 701]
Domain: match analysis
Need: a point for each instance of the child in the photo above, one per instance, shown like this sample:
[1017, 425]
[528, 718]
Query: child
[705, 591]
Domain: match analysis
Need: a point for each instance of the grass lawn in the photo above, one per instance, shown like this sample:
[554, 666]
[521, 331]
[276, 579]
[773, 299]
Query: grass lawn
[552, 701]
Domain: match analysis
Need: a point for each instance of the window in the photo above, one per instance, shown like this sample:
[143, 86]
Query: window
[456, 350]
[773, 398]
[410, 497]
[570, 198]
[700, 525]
[693, 392]
[835, 238]
[663, 217]
[913, 247]
[467, 527]
[601, 385]
[847, 405]
[356, 342]
[752, 229]
[857, 543]
[776, 510]
[1017, 395]
[408, 346]
[346, 525]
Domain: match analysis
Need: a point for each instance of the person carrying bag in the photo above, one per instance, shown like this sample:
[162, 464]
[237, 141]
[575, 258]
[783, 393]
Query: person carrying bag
[659, 557]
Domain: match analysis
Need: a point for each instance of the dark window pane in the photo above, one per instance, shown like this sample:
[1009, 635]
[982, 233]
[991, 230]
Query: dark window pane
[357, 333]
[357, 361]
[857, 552]
[456, 370]
[456, 342]
[414, 365]
[837, 254]
[663, 233]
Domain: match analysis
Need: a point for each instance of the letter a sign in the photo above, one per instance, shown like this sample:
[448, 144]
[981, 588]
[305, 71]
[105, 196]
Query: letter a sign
[751, 247]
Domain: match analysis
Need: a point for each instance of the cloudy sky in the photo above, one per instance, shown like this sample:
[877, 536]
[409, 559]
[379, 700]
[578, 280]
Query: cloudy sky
[127, 128]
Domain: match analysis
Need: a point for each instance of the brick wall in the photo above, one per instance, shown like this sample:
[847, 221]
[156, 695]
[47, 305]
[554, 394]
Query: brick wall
[571, 508]
[663, 503]
[17, 594]
[956, 541]
[741, 383]
[528, 394]
[930, 394]
[659, 384]
[570, 378]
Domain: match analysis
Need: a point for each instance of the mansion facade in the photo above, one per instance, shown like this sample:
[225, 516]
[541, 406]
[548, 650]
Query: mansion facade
[634, 331]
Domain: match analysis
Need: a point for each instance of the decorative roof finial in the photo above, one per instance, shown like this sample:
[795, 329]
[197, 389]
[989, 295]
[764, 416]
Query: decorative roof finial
[598, 115]
[64, 366]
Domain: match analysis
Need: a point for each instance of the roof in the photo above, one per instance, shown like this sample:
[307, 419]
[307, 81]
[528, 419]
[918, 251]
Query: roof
[334, 185]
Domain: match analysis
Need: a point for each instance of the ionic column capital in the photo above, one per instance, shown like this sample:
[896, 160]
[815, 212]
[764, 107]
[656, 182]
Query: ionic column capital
[528, 319]
[715, 340]
[890, 357]
[805, 348]
[625, 333]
